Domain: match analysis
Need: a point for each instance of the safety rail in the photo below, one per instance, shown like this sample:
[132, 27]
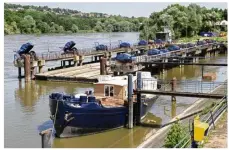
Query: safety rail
[55, 55]
[208, 117]
[146, 58]
[191, 86]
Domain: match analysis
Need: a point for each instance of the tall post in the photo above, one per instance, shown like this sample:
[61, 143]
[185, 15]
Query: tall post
[173, 87]
[27, 67]
[202, 69]
[42, 141]
[19, 72]
[139, 103]
[103, 62]
[80, 60]
[130, 101]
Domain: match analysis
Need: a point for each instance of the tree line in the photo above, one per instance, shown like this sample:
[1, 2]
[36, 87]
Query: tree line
[28, 21]
[183, 21]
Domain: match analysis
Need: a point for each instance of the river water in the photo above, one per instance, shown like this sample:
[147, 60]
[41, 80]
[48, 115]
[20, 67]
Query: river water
[26, 104]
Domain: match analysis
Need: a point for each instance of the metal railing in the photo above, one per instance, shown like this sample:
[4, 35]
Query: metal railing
[191, 86]
[146, 58]
[208, 117]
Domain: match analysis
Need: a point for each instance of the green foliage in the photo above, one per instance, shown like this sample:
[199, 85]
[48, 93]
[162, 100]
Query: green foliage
[175, 135]
[28, 24]
[74, 28]
[33, 19]
[183, 21]
[180, 19]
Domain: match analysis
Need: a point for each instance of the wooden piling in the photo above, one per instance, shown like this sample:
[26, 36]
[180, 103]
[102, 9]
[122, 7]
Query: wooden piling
[103, 62]
[80, 60]
[130, 101]
[27, 67]
[173, 87]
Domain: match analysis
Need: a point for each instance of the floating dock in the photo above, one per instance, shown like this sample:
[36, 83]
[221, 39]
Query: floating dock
[86, 74]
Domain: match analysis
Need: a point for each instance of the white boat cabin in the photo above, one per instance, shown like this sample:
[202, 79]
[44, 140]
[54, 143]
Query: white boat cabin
[116, 87]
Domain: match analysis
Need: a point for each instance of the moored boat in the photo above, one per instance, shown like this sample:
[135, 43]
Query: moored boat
[106, 108]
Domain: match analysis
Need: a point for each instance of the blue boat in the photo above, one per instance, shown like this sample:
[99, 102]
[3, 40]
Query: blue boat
[124, 45]
[101, 47]
[142, 43]
[173, 47]
[125, 57]
[153, 51]
[25, 48]
[90, 112]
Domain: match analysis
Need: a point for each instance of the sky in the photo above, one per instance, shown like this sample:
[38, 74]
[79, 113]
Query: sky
[140, 9]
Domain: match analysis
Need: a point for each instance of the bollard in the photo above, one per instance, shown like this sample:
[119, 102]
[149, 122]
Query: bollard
[27, 67]
[173, 88]
[130, 101]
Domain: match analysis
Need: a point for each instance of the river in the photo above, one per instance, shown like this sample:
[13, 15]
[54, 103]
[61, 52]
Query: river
[26, 104]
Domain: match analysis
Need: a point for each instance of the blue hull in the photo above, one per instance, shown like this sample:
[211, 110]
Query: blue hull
[89, 115]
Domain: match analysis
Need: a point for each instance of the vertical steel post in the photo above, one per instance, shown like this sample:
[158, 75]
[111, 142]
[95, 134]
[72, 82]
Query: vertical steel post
[202, 69]
[130, 101]
[19, 72]
[42, 141]
[139, 102]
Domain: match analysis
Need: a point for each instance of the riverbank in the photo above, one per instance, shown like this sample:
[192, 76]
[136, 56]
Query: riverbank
[217, 137]
[157, 139]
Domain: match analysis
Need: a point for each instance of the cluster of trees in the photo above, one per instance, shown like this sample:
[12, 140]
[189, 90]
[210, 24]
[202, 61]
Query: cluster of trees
[183, 21]
[27, 21]
[40, 8]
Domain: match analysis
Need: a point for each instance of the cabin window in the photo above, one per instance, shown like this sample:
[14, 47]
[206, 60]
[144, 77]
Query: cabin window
[109, 90]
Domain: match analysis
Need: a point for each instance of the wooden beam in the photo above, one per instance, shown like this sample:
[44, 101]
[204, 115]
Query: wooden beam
[183, 94]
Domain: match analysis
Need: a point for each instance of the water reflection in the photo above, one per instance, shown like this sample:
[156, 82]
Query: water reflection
[28, 93]
[173, 109]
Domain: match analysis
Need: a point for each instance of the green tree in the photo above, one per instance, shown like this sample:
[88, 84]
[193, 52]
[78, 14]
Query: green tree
[74, 28]
[28, 24]
[43, 27]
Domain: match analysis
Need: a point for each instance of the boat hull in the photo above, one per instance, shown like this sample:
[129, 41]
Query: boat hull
[90, 119]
